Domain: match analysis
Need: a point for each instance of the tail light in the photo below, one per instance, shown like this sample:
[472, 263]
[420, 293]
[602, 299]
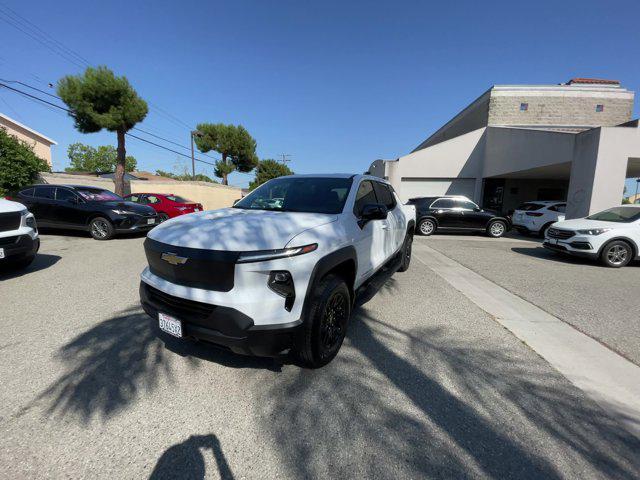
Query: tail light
[534, 214]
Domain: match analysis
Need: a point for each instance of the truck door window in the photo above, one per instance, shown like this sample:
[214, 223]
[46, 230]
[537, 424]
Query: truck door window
[364, 196]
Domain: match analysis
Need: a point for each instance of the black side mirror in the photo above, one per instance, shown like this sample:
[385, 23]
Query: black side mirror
[372, 211]
[477, 209]
[236, 200]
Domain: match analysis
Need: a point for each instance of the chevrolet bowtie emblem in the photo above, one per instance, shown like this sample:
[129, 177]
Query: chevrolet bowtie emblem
[173, 259]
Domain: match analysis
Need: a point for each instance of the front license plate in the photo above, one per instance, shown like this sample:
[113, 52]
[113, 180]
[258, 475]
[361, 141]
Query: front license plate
[151, 221]
[171, 325]
[1, 252]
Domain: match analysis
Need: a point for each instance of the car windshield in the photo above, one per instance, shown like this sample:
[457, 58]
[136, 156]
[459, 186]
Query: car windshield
[98, 195]
[299, 194]
[618, 214]
[177, 199]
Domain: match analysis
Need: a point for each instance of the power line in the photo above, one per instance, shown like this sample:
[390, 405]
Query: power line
[46, 102]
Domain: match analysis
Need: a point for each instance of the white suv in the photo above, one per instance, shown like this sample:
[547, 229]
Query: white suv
[536, 217]
[280, 269]
[19, 240]
[613, 236]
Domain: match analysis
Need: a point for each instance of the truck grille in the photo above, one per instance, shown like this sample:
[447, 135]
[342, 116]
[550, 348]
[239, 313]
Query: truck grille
[181, 307]
[192, 267]
[560, 234]
[9, 221]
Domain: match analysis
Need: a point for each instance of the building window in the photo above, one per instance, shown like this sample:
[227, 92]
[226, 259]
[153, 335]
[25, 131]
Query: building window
[599, 108]
[524, 107]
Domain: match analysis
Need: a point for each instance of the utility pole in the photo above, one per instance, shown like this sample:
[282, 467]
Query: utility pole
[193, 157]
[284, 157]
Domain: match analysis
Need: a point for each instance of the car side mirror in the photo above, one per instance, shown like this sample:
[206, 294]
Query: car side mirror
[73, 200]
[236, 201]
[372, 211]
[477, 209]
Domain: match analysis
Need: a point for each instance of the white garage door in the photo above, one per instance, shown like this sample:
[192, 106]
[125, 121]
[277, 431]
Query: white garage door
[431, 187]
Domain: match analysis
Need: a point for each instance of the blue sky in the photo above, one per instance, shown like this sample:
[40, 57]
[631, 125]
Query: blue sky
[335, 84]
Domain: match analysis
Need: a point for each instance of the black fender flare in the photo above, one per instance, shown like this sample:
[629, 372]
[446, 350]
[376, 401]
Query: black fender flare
[328, 263]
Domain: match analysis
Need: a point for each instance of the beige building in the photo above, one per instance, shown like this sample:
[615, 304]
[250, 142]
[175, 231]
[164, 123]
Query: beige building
[41, 144]
[573, 141]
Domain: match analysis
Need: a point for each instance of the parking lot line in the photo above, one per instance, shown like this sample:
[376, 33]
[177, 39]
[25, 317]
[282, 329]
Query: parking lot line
[608, 378]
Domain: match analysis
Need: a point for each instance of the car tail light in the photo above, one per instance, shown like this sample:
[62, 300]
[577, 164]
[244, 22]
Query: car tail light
[534, 214]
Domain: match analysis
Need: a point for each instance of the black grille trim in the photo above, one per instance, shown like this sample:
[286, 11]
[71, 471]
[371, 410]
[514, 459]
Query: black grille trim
[6, 241]
[180, 307]
[9, 221]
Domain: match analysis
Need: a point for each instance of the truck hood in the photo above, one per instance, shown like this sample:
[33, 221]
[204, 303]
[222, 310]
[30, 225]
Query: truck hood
[7, 206]
[236, 229]
[585, 224]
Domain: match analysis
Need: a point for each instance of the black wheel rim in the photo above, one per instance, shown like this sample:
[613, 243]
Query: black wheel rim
[333, 323]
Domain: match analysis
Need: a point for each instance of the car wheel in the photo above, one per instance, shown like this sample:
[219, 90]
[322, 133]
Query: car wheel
[101, 228]
[616, 254]
[325, 325]
[427, 227]
[496, 229]
[406, 253]
[163, 217]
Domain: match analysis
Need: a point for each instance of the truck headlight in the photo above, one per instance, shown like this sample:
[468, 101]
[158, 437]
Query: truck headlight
[593, 231]
[264, 255]
[28, 220]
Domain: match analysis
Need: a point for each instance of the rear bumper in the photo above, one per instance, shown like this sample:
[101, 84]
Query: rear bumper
[219, 325]
[18, 247]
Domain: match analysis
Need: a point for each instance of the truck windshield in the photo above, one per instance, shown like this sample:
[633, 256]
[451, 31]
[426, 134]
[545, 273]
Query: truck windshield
[299, 194]
[618, 214]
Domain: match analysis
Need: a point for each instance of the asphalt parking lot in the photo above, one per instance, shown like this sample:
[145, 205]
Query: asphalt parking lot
[427, 384]
[601, 302]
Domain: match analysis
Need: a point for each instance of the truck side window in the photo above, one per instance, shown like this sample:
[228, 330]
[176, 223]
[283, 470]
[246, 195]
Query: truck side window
[364, 196]
[384, 195]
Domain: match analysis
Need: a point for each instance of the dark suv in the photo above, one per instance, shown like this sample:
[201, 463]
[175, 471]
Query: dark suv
[456, 213]
[100, 212]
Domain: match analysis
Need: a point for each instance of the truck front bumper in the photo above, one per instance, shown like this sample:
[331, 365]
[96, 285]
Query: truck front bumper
[220, 325]
[19, 246]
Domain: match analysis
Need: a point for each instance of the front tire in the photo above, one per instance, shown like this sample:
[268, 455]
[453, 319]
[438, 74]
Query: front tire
[325, 325]
[101, 229]
[616, 254]
[427, 227]
[406, 253]
[496, 229]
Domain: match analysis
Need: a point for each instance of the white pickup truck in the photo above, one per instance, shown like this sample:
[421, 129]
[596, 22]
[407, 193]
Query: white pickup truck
[279, 270]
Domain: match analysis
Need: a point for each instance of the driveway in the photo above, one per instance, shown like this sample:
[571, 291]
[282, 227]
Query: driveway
[601, 302]
[427, 385]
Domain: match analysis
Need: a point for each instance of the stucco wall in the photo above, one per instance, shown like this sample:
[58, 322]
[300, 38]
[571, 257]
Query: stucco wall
[210, 195]
[471, 118]
[41, 149]
[511, 150]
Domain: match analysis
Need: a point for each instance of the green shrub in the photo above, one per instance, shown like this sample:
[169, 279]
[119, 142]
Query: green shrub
[19, 165]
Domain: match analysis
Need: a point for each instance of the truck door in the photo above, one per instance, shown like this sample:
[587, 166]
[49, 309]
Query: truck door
[370, 241]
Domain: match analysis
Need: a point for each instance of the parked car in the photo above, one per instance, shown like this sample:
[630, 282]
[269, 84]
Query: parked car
[457, 213]
[100, 212]
[612, 236]
[263, 278]
[166, 206]
[536, 217]
[19, 240]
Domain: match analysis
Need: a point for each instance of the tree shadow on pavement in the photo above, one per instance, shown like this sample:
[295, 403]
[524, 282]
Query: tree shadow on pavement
[109, 365]
[421, 404]
[187, 460]
[41, 262]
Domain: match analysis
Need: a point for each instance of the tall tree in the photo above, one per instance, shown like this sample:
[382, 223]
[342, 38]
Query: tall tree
[233, 143]
[99, 100]
[268, 169]
[85, 158]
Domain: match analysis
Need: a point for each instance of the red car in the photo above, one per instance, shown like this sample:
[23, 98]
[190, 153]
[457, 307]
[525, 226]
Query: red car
[167, 205]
